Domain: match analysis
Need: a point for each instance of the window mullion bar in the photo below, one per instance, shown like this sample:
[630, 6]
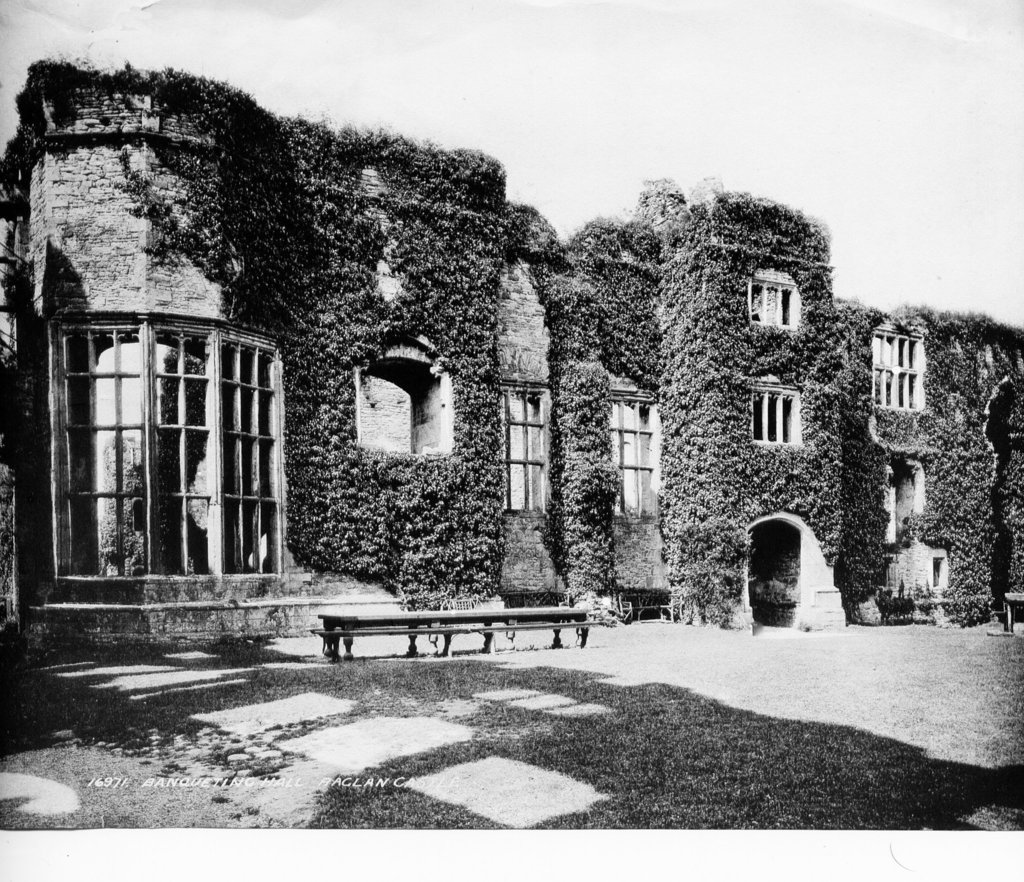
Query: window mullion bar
[214, 447]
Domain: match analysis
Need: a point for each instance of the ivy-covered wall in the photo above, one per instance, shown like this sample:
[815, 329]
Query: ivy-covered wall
[301, 230]
[968, 439]
[277, 213]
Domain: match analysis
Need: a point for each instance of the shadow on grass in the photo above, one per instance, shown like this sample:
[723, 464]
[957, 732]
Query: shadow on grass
[665, 756]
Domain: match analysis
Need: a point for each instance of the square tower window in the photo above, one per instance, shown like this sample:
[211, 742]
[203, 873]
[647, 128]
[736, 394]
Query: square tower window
[635, 445]
[775, 416]
[524, 423]
[898, 371]
[773, 299]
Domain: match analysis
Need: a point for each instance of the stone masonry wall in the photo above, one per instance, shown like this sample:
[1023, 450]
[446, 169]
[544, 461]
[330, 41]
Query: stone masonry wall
[527, 567]
[638, 561]
[522, 334]
[89, 249]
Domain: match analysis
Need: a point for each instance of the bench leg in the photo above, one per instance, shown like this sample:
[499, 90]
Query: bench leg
[583, 632]
[447, 645]
[557, 643]
[348, 648]
[331, 647]
[412, 653]
[488, 643]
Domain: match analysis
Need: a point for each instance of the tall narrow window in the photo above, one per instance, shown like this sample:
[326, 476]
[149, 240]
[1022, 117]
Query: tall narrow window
[183, 405]
[634, 448]
[898, 372]
[250, 498]
[153, 453]
[775, 416]
[523, 415]
[105, 454]
[773, 299]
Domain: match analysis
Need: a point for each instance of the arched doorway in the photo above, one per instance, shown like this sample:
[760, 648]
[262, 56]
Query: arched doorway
[774, 572]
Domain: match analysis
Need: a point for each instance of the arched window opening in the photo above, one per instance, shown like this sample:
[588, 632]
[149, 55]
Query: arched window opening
[404, 404]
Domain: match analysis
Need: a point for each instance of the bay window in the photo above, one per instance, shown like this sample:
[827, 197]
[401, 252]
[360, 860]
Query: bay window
[168, 449]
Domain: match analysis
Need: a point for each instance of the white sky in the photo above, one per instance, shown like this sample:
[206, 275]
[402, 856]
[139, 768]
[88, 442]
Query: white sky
[900, 123]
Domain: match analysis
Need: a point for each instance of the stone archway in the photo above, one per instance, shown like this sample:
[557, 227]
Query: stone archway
[789, 582]
[774, 573]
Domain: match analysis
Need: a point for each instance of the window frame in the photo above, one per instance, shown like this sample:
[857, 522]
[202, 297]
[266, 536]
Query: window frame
[760, 396]
[784, 282]
[885, 340]
[148, 327]
[619, 433]
[529, 465]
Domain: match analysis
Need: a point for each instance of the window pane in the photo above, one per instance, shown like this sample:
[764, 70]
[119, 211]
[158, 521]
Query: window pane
[110, 558]
[249, 524]
[195, 461]
[228, 415]
[267, 483]
[170, 535]
[758, 418]
[533, 408]
[536, 443]
[787, 419]
[84, 548]
[756, 303]
[786, 297]
[79, 401]
[230, 459]
[134, 481]
[134, 536]
[247, 476]
[648, 498]
[628, 448]
[227, 364]
[169, 461]
[130, 352]
[265, 370]
[131, 401]
[106, 401]
[104, 353]
[232, 549]
[195, 402]
[268, 539]
[246, 362]
[167, 354]
[516, 407]
[517, 487]
[645, 450]
[81, 460]
[773, 428]
[195, 356]
[266, 402]
[197, 525]
[167, 390]
[106, 466]
[517, 449]
[245, 419]
[536, 477]
[630, 496]
[78, 353]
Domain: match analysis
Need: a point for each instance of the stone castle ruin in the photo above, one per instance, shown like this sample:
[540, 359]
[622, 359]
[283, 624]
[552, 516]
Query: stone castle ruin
[252, 366]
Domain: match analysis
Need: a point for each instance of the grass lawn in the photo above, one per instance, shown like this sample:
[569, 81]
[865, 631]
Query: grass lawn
[665, 756]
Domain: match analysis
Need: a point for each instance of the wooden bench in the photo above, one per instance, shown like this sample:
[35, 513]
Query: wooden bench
[340, 627]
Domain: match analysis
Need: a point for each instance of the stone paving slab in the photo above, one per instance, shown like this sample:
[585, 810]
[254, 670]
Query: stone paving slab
[544, 701]
[212, 685]
[506, 694]
[509, 792]
[367, 743]
[579, 710]
[251, 718]
[119, 671]
[156, 681]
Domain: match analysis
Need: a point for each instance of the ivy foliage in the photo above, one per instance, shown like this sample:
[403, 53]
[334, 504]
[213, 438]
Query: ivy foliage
[968, 441]
[600, 297]
[277, 211]
[718, 481]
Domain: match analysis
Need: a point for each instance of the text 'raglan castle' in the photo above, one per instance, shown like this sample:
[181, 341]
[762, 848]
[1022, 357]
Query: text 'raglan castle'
[253, 365]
